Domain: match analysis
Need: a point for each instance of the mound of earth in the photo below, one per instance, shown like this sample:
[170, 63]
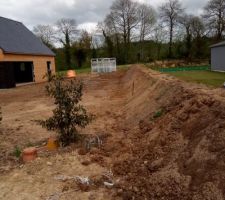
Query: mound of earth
[163, 139]
[173, 140]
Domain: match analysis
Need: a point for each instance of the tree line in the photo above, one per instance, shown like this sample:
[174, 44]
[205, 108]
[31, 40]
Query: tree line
[136, 32]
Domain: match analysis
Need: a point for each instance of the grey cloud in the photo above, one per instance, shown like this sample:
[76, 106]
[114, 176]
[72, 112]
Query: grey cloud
[33, 12]
[194, 6]
[47, 12]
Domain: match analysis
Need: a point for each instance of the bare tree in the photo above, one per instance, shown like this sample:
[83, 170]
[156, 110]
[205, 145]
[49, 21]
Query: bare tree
[169, 13]
[147, 18]
[67, 29]
[85, 40]
[186, 22]
[110, 33]
[46, 33]
[115, 28]
[159, 34]
[125, 19]
[197, 27]
[214, 13]
[198, 32]
[124, 13]
[126, 22]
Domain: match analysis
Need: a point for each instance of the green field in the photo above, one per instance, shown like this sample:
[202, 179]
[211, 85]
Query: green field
[215, 79]
[209, 78]
[83, 70]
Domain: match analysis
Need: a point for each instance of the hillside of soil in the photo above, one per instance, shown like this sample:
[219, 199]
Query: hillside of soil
[173, 146]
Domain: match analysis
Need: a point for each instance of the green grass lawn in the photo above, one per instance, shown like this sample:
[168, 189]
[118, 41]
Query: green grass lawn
[209, 78]
[85, 70]
[215, 79]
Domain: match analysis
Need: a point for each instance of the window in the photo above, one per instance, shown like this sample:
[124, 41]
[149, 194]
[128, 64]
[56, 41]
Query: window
[22, 67]
[49, 66]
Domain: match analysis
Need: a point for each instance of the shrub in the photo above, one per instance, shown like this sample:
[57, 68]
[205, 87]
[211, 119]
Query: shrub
[49, 76]
[68, 114]
[17, 152]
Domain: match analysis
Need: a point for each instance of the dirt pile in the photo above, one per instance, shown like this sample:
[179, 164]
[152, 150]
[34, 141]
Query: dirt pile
[162, 139]
[177, 63]
[173, 143]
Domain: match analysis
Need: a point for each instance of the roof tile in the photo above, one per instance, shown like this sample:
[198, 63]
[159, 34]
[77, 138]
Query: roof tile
[15, 38]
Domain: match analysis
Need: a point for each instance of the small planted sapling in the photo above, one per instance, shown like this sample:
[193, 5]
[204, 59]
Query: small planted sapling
[17, 152]
[68, 114]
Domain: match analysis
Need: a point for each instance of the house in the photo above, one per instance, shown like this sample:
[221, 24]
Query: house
[218, 57]
[23, 57]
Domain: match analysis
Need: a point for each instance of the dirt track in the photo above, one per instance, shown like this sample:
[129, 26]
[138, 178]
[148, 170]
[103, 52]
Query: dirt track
[165, 140]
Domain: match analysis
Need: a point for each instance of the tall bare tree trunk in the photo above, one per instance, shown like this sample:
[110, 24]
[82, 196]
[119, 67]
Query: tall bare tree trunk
[171, 40]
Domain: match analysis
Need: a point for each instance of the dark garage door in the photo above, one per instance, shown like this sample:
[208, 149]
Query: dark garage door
[7, 79]
[23, 72]
[15, 72]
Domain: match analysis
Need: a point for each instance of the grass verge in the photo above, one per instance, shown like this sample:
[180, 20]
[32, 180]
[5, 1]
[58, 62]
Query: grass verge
[209, 78]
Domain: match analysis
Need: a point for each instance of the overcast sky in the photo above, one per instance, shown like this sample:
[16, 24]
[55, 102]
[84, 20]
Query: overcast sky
[86, 12]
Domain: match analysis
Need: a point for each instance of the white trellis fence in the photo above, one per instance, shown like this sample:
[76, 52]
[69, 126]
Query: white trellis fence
[103, 65]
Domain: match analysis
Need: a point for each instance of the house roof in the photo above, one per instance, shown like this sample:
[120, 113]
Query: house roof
[220, 44]
[15, 38]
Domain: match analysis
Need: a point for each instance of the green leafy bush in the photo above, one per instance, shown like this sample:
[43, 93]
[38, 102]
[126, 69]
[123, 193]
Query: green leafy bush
[68, 114]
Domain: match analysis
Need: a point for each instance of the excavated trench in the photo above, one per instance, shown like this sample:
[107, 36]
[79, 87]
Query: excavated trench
[172, 143]
[165, 138]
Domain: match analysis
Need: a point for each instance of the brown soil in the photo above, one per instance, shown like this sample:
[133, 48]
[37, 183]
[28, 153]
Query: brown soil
[162, 139]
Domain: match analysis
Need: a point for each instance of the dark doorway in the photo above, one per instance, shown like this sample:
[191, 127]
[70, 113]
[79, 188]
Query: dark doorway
[12, 73]
[23, 72]
[7, 79]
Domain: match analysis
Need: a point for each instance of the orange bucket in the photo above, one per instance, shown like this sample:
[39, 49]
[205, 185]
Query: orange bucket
[52, 144]
[29, 154]
[71, 74]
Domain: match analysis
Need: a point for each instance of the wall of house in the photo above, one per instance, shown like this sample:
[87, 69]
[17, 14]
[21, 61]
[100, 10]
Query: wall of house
[39, 62]
[218, 58]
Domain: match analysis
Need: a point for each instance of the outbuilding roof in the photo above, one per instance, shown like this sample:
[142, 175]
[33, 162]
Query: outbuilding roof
[220, 44]
[15, 38]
